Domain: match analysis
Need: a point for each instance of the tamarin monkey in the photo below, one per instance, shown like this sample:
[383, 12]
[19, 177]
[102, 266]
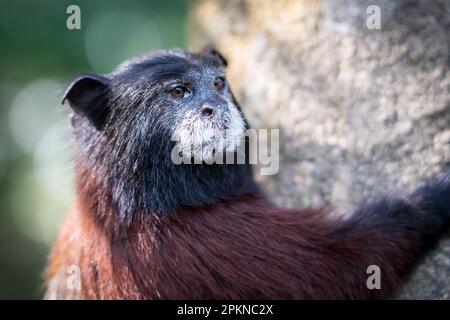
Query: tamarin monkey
[143, 227]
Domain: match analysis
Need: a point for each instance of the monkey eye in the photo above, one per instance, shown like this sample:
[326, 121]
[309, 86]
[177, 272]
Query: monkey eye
[219, 83]
[180, 92]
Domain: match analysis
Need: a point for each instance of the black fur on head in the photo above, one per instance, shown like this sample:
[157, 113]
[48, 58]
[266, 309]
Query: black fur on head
[124, 122]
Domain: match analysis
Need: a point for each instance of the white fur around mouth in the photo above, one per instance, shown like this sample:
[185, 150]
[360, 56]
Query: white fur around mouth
[204, 138]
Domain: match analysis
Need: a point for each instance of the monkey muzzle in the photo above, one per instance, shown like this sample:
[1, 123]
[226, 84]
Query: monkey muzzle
[209, 131]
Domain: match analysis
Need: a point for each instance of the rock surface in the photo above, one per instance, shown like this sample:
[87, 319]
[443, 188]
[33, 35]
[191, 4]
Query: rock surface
[361, 111]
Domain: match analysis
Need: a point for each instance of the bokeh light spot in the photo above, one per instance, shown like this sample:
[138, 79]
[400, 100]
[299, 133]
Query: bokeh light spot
[115, 36]
[33, 111]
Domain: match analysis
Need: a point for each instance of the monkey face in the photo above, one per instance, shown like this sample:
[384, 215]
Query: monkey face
[207, 121]
[172, 97]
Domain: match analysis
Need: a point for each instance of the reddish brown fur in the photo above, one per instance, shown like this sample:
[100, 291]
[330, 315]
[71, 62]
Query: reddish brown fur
[242, 248]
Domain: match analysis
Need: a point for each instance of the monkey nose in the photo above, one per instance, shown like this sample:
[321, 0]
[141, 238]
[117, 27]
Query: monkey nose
[207, 111]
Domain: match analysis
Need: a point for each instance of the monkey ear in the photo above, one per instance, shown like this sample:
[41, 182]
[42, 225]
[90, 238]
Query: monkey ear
[212, 51]
[87, 95]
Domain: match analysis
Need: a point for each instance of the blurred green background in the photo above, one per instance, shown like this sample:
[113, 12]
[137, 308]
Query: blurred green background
[38, 56]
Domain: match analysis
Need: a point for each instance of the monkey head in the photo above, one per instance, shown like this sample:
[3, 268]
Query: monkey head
[127, 125]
